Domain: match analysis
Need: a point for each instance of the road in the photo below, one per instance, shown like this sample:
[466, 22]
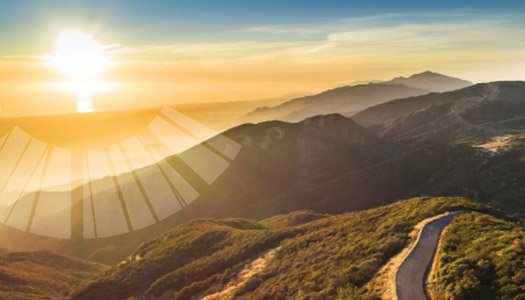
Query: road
[411, 275]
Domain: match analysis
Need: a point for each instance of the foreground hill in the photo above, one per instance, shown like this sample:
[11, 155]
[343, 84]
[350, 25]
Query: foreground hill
[328, 257]
[42, 275]
[300, 255]
[351, 99]
[472, 114]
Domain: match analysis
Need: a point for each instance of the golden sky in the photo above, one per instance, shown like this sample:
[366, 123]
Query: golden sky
[297, 61]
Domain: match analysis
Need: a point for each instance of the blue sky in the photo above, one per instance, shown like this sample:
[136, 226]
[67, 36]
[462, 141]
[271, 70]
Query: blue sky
[25, 25]
[223, 50]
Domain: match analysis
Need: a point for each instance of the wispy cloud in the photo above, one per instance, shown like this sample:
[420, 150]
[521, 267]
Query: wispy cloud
[351, 38]
[276, 29]
[313, 57]
[325, 26]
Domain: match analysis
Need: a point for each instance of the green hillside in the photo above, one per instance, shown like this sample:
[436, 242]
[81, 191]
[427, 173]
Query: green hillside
[481, 257]
[302, 255]
[333, 256]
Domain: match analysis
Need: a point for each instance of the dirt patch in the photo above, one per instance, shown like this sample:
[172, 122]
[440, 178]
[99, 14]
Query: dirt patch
[251, 269]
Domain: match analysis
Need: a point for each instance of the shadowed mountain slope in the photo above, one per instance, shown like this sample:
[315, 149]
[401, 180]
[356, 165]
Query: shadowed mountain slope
[274, 157]
[437, 170]
[472, 114]
[351, 99]
[345, 100]
[328, 164]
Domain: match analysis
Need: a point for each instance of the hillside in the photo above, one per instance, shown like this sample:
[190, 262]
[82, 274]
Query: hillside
[299, 255]
[345, 100]
[473, 114]
[480, 257]
[348, 100]
[42, 275]
[437, 170]
[327, 164]
[334, 256]
[274, 157]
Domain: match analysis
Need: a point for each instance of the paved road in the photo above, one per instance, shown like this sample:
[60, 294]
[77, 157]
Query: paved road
[410, 277]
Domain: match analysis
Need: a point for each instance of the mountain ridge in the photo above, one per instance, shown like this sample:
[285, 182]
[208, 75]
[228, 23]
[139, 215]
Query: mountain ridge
[274, 156]
[478, 112]
[350, 99]
[431, 81]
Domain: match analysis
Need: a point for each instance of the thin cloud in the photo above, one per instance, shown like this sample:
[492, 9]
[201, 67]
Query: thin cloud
[476, 35]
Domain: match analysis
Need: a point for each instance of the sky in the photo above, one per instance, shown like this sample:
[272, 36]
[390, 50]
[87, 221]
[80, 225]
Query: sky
[176, 51]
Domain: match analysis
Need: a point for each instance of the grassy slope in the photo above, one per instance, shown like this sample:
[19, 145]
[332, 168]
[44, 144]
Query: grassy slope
[293, 219]
[481, 257]
[337, 255]
[36, 275]
[331, 257]
[187, 256]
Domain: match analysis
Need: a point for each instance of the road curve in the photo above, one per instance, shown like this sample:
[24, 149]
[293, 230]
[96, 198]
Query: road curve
[410, 276]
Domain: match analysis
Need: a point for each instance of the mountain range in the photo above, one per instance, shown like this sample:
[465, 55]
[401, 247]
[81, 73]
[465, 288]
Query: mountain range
[311, 209]
[348, 100]
[431, 81]
[331, 164]
[471, 114]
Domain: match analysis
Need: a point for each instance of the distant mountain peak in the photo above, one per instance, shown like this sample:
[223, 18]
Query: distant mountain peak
[431, 81]
[347, 100]
[429, 73]
[469, 115]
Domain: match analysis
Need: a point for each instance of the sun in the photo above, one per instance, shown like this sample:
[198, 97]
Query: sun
[78, 55]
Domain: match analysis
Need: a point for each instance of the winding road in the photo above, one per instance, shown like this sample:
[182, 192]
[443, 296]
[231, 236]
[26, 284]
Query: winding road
[411, 275]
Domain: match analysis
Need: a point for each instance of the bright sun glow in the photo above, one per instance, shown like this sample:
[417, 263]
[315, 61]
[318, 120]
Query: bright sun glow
[82, 59]
[79, 55]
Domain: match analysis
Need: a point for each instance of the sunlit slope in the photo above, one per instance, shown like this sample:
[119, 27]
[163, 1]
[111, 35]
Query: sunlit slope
[480, 257]
[327, 257]
[42, 275]
[343, 252]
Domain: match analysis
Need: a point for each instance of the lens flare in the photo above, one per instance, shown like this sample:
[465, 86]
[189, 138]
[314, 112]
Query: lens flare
[81, 59]
[79, 55]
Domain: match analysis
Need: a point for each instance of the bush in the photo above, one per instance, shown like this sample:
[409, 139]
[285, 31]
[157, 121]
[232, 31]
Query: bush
[481, 258]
